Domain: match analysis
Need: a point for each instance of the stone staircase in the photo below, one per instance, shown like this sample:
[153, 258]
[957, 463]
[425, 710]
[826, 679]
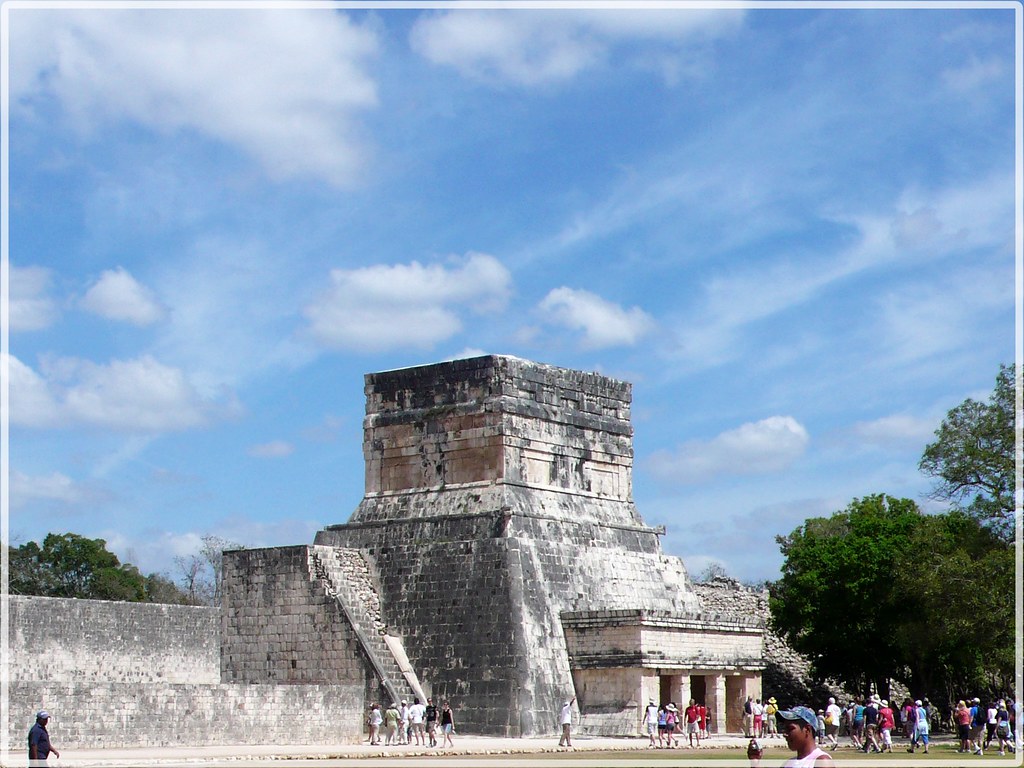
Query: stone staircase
[347, 577]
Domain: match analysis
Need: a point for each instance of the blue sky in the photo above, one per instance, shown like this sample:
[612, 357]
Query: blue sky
[792, 230]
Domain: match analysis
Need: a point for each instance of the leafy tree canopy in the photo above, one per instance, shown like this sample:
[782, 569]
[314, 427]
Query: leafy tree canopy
[972, 457]
[70, 565]
[880, 591]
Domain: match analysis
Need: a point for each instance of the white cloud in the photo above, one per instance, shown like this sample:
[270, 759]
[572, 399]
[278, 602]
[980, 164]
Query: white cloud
[118, 296]
[534, 47]
[30, 308]
[284, 87]
[920, 227]
[140, 395]
[405, 305]
[898, 430]
[275, 449]
[603, 323]
[53, 487]
[769, 445]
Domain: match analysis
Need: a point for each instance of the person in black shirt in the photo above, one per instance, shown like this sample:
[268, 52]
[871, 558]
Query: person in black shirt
[432, 722]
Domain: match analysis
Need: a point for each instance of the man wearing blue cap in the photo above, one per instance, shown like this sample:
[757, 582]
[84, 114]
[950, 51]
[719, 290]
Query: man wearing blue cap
[39, 747]
[798, 725]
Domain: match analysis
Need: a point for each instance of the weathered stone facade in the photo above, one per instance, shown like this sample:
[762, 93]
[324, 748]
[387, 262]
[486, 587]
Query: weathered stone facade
[497, 560]
[498, 501]
[138, 674]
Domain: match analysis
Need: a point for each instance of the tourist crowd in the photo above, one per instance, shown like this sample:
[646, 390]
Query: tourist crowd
[416, 723]
[871, 723]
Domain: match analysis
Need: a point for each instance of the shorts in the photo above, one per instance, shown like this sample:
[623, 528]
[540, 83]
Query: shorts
[963, 732]
[650, 728]
[447, 728]
[692, 728]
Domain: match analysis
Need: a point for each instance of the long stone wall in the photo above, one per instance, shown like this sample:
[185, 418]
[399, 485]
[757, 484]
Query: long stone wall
[86, 641]
[139, 674]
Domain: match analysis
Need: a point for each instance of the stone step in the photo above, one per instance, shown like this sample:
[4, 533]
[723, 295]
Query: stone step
[347, 576]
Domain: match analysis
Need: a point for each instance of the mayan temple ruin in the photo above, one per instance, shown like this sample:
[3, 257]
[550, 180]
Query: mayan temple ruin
[497, 560]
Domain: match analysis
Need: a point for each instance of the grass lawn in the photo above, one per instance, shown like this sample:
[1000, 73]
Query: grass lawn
[940, 754]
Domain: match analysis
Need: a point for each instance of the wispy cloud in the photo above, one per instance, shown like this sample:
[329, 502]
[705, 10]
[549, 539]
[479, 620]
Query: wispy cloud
[769, 445]
[54, 487]
[31, 308]
[541, 47]
[405, 305]
[137, 395]
[119, 296]
[192, 70]
[275, 449]
[602, 323]
[898, 430]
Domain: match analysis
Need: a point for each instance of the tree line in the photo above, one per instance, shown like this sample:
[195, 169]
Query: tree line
[75, 566]
[881, 591]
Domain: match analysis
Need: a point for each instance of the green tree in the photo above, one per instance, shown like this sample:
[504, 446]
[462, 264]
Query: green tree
[836, 602]
[972, 457]
[70, 565]
[881, 591]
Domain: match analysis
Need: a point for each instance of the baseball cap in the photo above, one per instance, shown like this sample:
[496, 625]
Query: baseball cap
[805, 714]
[42, 714]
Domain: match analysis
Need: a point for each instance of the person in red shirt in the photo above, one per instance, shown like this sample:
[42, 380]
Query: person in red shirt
[886, 722]
[693, 723]
[702, 713]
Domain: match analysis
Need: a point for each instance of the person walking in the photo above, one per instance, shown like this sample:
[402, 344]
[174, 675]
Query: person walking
[1003, 727]
[920, 735]
[375, 720]
[447, 725]
[391, 718]
[833, 716]
[431, 716]
[692, 718]
[651, 721]
[417, 712]
[886, 724]
[39, 746]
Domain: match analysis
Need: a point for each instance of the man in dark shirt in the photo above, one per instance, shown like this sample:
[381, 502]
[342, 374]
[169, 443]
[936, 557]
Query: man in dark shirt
[39, 747]
[871, 727]
[431, 716]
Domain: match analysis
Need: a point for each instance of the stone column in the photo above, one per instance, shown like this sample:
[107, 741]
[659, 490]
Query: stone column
[681, 694]
[716, 701]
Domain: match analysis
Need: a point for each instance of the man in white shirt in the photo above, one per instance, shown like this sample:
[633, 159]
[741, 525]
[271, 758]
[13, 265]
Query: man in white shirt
[651, 721]
[416, 714]
[833, 715]
[565, 718]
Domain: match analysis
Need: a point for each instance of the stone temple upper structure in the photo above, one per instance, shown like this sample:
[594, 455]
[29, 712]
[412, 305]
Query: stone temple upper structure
[497, 560]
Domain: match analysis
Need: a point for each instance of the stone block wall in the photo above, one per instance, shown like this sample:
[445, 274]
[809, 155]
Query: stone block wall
[492, 419]
[108, 715]
[118, 674]
[280, 625]
[84, 641]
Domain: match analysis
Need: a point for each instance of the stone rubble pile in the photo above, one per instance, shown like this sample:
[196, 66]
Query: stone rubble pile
[787, 674]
